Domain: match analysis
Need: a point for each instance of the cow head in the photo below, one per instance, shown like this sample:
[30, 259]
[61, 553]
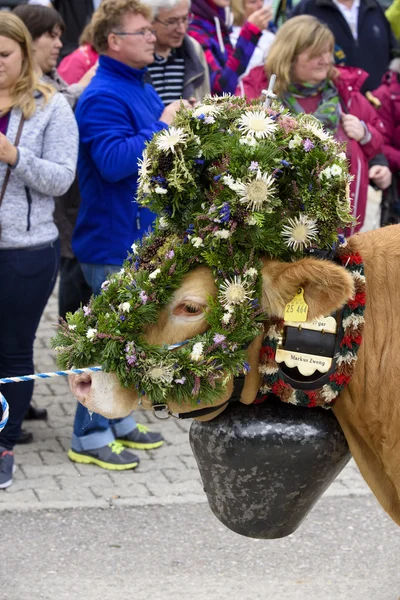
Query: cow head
[233, 186]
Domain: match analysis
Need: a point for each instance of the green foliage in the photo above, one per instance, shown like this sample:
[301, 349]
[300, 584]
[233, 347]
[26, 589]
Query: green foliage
[230, 183]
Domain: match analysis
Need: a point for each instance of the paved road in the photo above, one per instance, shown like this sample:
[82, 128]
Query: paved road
[73, 531]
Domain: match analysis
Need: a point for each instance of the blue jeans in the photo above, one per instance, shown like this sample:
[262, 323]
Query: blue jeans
[93, 431]
[28, 277]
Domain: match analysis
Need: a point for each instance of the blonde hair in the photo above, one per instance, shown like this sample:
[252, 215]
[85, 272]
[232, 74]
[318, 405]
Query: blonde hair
[294, 37]
[237, 9]
[23, 94]
[109, 16]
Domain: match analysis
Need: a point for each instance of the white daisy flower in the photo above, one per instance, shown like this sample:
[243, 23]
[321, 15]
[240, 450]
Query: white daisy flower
[72, 327]
[124, 307]
[248, 141]
[234, 292]
[252, 272]
[257, 123]
[197, 242]
[230, 182]
[257, 192]
[206, 109]
[327, 173]
[134, 248]
[160, 190]
[154, 274]
[342, 155]
[295, 142]
[336, 170]
[226, 317]
[222, 234]
[91, 333]
[143, 165]
[300, 232]
[209, 120]
[168, 139]
[163, 223]
[197, 351]
[312, 125]
[162, 374]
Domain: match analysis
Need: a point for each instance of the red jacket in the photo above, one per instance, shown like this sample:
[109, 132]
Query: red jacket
[389, 95]
[348, 83]
[74, 66]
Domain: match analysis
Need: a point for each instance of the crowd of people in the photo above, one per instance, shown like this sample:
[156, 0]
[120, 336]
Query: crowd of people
[104, 76]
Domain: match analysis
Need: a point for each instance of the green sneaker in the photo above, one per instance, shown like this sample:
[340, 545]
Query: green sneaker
[113, 457]
[141, 438]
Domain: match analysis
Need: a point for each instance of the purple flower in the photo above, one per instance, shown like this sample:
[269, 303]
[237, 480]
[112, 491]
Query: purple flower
[181, 381]
[225, 213]
[87, 311]
[143, 297]
[170, 254]
[131, 359]
[122, 317]
[253, 165]
[308, 145]
[105, 284]
[219, 338]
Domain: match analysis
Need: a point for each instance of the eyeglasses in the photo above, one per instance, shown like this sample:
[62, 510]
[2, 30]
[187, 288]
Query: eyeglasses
[173, 23]
[145, 32]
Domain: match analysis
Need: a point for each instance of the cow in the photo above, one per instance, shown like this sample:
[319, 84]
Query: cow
[368, 409]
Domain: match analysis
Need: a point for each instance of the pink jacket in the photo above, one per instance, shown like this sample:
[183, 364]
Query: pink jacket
[389, 95]
[348, 83]
[74, 66]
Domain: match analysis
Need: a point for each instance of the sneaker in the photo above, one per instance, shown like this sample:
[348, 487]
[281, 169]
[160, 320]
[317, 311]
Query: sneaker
[113, 457]
[141, 438]
[7, 467]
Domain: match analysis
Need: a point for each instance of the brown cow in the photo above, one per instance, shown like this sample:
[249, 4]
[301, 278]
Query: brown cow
[368, 409]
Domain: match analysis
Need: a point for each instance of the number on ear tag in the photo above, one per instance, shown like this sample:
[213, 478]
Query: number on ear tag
[297, 309]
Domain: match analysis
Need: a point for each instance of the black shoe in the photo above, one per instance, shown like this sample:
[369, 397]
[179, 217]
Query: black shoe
[36, 414]
[7, 467]
[25, 437]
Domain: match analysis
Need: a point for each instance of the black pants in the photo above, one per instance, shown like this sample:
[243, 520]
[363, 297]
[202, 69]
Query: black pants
[28, 278]
[73, 290]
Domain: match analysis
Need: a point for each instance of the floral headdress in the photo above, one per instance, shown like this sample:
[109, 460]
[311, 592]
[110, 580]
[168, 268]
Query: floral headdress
[230, 183]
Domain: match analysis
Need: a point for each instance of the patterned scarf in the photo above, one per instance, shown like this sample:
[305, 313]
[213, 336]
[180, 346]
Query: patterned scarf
[328, 111]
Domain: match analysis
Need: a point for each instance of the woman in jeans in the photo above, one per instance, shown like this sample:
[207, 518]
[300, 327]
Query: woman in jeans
[41, 167]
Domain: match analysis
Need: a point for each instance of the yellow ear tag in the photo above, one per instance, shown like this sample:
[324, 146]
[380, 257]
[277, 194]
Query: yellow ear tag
[297, 309]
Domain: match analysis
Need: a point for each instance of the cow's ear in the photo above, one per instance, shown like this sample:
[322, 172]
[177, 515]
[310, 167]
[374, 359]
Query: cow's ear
[327, 286]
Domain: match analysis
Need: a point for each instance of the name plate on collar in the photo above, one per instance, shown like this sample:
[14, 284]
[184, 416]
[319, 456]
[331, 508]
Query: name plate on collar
[307, 364]
[325, 324]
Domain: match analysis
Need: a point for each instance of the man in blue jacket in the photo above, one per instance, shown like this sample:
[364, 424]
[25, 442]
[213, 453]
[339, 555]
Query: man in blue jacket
[361, 30]
[117, 114]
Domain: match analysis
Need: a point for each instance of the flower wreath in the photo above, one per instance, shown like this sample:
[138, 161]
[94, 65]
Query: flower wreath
[230, 183]
[353, 326]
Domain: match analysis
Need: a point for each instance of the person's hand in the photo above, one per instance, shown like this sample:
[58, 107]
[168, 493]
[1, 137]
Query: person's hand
[170, 111]
[261, 17]
[353, 127]
[88, 76]
[8, 152]
[381, 176]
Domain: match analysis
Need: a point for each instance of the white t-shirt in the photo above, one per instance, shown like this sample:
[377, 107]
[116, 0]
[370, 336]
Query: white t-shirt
[350, 14]
[96, 3]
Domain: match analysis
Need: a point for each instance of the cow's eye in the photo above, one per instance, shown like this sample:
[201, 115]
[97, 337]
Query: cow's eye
[188, 309]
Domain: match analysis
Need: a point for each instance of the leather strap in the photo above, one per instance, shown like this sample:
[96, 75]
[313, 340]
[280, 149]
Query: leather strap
[8, 172]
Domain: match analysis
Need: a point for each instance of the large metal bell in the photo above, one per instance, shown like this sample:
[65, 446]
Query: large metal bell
[264, 466]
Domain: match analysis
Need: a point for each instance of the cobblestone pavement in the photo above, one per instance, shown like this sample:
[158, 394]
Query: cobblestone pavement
[45, 478]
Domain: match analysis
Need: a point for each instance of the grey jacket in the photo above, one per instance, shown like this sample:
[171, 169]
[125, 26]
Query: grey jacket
[46, 166]
[197, 78]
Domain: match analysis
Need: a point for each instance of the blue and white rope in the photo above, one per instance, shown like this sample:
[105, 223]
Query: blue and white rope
[4, 404]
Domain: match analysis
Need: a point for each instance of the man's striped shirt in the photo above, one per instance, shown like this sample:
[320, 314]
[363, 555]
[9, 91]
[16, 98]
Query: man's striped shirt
[167, 76]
